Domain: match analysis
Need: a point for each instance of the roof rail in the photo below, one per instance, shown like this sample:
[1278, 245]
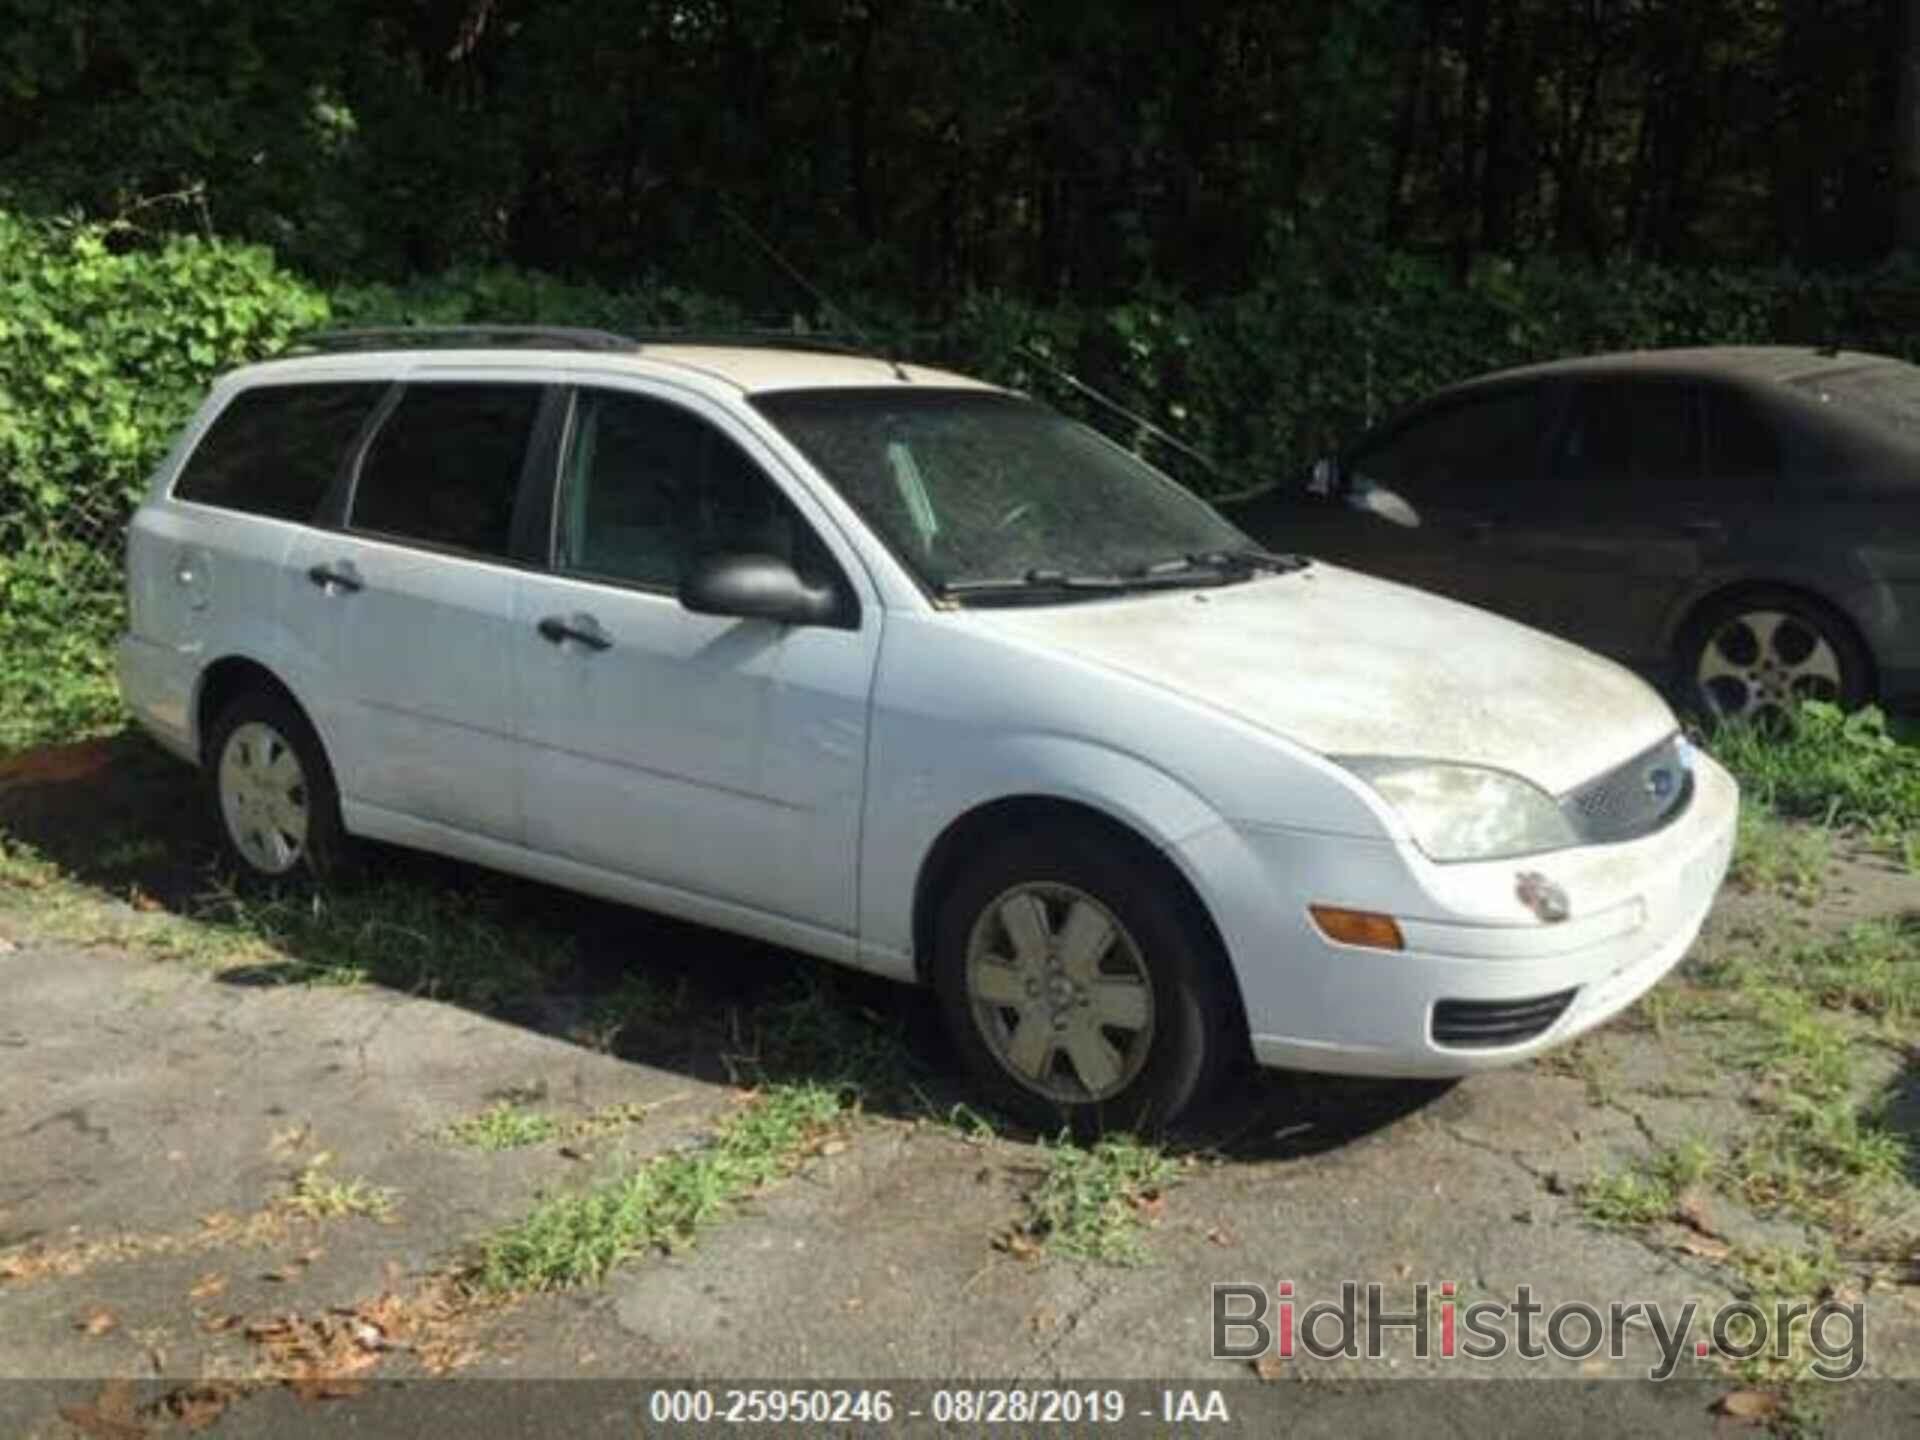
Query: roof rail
[466, 337]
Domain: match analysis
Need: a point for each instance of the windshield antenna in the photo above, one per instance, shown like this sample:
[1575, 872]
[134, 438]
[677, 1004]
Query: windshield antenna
[821, 298]
[1159, 432]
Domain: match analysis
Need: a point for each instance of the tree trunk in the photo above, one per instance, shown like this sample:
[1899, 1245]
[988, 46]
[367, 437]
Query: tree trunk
[1906, 161]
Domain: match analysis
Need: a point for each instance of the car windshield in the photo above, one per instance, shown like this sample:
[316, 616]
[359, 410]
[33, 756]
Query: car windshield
[977, 488]
[1887, 396]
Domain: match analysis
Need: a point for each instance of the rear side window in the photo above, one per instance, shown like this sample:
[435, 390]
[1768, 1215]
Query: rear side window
[1629, 436]
[445, 466]
[274, 450]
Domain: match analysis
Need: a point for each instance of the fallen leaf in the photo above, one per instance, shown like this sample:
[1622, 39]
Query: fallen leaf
[1018, 1244]
[1691, 1210]
[1219, 1235]
[208, 1286]
[1150, 1206]
[1270, 1366]
[103, 1427]
[833, 1147]
[1043, 1319]
[326, 1387]
[213, 1325]
[197, 1407]
[1706, 1249]
[96, 1322]
[7, 947]
[1747, 1405]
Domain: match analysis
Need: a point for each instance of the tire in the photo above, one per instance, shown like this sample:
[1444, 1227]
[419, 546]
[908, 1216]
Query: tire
[1751, 655]
[272, 793]
[1062, 929]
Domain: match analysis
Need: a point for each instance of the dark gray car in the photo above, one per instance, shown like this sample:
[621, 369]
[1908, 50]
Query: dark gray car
[1743, 520]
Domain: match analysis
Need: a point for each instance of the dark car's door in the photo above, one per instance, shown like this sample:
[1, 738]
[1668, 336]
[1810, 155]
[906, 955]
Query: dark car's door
[1414, 499]
[1622, 522]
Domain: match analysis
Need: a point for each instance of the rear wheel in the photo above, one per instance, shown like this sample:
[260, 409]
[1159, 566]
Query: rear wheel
[272, 791]
[1078, 985]
[1753, 656]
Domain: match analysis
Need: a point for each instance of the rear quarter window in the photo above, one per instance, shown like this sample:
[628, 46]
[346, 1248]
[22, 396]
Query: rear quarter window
[274, 450]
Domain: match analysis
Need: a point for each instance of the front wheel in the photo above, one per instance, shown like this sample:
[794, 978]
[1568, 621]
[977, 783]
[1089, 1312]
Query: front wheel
[1079, 985]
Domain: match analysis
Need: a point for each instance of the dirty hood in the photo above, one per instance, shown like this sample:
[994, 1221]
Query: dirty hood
[1350, 665]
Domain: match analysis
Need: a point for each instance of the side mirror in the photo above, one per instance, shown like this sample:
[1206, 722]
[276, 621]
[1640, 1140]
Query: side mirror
[1387, 505]
[1325, 477]
[756, 587]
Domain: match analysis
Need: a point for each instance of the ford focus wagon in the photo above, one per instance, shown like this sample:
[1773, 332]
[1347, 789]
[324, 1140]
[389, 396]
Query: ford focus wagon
[906, 671]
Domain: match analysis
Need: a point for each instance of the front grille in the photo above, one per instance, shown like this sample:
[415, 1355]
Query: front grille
[1487, 1024]
[1637, 798]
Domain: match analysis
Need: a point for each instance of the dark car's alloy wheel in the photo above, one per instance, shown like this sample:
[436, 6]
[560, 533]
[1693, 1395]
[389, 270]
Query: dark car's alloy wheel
[1755, 658]
[1078, 986]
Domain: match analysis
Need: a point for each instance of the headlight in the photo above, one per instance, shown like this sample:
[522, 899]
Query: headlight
[1465, 812]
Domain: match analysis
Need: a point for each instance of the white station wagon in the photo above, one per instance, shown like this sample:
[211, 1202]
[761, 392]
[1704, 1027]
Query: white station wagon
[910, 672]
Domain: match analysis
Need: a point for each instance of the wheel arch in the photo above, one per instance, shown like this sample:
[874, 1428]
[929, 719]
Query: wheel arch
[970, 833]
[221, 682]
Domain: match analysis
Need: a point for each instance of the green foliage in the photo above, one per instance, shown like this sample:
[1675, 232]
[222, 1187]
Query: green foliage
[1091, 1201]
[105, 349]
[59, 609]
[1830, 766]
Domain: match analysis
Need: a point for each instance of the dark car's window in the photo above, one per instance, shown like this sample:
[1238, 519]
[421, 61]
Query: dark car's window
[647, 488]
[1744, 450]
[445, 465]
[1479, 446]
[275, 450]
[1626, 437]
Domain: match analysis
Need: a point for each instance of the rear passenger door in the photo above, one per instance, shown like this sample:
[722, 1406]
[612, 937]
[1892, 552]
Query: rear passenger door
[407, 603]
[1600, 550]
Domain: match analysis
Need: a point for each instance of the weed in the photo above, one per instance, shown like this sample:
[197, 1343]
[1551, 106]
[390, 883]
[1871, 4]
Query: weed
[318, 1196]
[1831, 767]
[1780, 855]
[504, 1126]
[1650, 1191]
[576, 1237]
[1091, 1201]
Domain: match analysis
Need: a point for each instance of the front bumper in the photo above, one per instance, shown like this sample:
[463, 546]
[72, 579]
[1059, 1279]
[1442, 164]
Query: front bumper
[1506, 985]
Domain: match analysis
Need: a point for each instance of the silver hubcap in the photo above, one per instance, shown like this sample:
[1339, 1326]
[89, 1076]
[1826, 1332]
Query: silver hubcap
[1060, 993]
[263, 798]
[1761, 664]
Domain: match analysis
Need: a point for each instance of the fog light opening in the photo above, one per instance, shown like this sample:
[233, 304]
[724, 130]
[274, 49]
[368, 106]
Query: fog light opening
[1358, 927]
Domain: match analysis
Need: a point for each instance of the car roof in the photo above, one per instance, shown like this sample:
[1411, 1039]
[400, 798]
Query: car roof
[1773, 364]
[741, 369]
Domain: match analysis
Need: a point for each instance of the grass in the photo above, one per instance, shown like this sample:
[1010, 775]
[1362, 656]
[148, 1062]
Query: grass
[1833, 768]
[576, 1237]
[1648, 1192]
[318, 1196]
[504, 1126]
[1092, 1202]
[1779, 855]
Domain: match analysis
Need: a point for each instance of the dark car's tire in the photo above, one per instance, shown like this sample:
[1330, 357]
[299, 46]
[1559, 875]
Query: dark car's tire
[1753, 654]
[1078, 983]
[272, 794]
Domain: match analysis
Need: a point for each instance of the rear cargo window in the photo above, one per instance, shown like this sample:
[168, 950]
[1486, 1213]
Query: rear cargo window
[274, 450]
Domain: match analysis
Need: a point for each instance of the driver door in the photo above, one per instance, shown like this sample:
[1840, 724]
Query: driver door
[719, 760]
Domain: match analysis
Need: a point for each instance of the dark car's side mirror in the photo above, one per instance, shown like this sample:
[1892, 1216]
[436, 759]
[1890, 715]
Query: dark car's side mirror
[756, 587]
[1325, 477]
[1379, 501]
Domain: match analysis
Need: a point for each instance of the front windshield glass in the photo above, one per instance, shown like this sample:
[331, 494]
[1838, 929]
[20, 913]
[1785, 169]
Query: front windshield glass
[972, 486]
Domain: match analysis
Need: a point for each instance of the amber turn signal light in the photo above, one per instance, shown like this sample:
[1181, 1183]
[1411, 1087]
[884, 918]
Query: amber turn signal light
[1357, 927]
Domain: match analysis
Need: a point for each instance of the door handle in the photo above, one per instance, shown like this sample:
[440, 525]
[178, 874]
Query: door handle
[342, 576]
[578, 626]
[1704, 529]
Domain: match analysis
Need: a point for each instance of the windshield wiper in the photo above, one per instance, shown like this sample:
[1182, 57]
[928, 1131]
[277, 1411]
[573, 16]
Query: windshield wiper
[1035, 581]
[1238, 563]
